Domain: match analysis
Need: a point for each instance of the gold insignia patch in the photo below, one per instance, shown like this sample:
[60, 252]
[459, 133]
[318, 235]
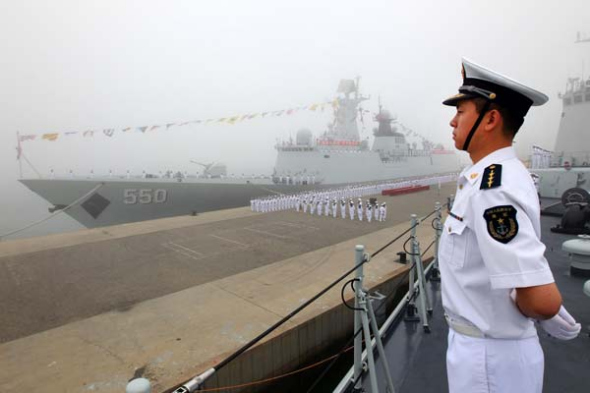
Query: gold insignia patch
[492, 177]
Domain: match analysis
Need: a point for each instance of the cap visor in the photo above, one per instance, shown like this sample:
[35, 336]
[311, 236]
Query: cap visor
[452, 101]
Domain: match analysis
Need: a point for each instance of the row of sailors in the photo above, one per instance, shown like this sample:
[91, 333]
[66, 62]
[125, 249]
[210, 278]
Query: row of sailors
[379, 212]
[320, 204]
[288, 202]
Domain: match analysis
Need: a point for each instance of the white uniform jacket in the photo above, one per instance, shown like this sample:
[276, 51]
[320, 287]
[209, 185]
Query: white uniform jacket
[491, 244]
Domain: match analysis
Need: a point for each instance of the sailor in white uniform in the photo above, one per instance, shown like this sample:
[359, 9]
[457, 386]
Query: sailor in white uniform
[382, 212]
[360, 209]
[351, 209]
[334, 208]
[369, 211]
[376, 210]
[319, 205]
[327, 207]
[343, 208]
[495, 278]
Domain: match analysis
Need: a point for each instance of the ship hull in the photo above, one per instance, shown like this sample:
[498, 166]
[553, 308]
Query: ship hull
[122, 201]
[117, 201]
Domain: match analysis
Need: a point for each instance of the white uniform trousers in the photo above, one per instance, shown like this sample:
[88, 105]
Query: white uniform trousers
[488, 365]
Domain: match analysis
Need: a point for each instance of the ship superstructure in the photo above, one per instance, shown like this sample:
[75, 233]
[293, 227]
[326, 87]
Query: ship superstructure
[573, 139]
[340, 155]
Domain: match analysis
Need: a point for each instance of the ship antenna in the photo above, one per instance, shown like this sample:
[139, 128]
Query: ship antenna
[19, 153]
[580, 40]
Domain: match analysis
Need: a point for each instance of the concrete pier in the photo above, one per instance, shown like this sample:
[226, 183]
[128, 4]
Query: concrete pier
[167, 299]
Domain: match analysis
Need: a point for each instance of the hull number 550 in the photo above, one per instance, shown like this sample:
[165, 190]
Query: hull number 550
[133, 196]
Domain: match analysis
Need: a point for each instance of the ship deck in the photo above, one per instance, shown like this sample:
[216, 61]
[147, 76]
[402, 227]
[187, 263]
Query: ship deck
[84, 311]
[417, 359]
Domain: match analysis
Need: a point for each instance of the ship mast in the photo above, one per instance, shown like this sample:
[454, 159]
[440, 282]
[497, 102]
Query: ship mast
[581, 40]
[19, 153]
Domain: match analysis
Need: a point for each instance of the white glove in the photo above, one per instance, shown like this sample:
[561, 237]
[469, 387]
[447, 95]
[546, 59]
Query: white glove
[562, 326]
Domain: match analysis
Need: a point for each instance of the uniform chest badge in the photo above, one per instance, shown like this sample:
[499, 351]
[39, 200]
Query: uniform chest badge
[501, 223]
[492, 177]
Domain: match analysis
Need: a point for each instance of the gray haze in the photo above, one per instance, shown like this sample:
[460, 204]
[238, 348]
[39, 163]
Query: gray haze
[74, 66]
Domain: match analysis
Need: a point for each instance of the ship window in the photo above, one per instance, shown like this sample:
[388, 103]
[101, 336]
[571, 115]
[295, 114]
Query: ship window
[567, 101]
[577, 99]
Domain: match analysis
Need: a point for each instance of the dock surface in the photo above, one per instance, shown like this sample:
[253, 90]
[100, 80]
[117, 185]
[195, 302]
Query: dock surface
[83, 311]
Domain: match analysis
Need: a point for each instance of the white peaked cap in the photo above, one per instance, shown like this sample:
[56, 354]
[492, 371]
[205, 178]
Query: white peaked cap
[479, 81]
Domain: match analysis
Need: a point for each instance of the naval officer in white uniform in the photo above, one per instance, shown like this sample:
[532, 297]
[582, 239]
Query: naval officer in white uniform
[495, 279]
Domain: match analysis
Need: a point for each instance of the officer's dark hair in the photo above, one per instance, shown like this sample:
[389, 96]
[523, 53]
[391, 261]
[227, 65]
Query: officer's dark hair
[512, 122]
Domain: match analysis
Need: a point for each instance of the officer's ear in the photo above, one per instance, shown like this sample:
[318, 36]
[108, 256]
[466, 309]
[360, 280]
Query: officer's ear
[493, 120]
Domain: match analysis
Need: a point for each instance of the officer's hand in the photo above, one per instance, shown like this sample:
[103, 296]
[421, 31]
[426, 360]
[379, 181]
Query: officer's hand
[562, 326]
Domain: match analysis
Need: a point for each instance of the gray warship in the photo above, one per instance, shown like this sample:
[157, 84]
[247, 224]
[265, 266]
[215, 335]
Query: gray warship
[337, 157]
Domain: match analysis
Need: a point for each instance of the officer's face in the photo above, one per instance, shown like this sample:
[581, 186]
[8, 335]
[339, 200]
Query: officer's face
[463, 121]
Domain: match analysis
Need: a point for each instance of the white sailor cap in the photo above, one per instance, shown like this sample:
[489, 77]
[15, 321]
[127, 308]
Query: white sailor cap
[479, 81]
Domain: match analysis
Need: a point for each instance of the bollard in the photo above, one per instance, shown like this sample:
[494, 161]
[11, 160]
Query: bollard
[138, 385]
[402, 257]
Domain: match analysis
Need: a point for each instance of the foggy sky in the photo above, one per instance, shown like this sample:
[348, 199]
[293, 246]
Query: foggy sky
[73, 66]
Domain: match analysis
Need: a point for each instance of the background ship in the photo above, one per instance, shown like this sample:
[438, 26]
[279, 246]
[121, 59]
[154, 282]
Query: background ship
[336, 158]
[567, 168]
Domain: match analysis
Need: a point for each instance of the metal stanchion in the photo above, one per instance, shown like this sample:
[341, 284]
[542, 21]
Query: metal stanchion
[411, 309]
[413, 314]
[423, 292]
[365, 314]
[358, 340]
[435, 273]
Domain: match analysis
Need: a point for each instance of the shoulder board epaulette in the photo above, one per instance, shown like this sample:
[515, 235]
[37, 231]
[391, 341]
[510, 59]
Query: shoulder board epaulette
[492, 177]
